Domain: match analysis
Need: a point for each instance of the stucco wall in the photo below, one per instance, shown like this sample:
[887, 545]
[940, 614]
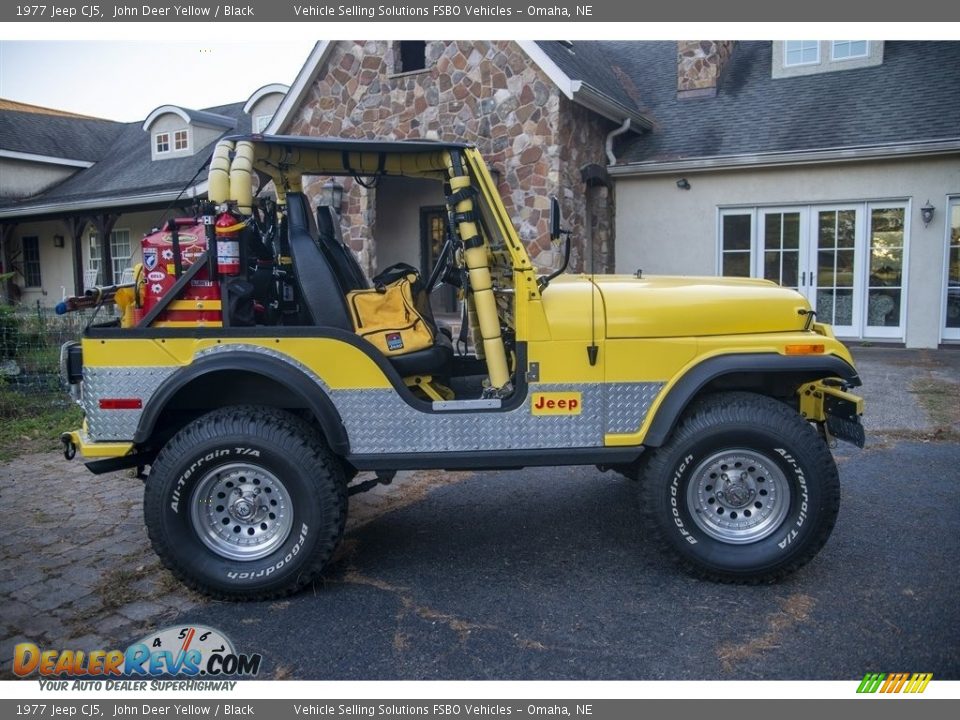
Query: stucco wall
[21, 178]
[665, 230]
[56, 264]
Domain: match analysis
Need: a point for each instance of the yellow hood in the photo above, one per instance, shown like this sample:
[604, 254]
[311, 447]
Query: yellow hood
[697, 306]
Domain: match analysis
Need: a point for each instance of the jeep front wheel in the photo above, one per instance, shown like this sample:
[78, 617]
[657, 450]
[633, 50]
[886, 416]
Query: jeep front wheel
[744, 491]
[246, 503]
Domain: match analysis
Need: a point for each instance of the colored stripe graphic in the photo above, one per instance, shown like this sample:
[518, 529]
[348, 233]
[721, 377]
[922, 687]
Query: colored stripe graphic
[894, 683]
[870, 682]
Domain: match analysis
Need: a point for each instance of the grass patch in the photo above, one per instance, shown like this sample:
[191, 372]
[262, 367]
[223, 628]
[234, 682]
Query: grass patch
[940, 399]
[31, 420]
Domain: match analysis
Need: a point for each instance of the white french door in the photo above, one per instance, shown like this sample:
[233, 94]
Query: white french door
[835, 287]
[951, 290]
[846, 259]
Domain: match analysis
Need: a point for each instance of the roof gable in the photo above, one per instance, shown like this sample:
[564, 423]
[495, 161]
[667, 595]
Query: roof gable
[589, 86]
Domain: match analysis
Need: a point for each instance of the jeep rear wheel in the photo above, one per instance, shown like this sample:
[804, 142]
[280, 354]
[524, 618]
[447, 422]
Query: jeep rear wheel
[744, 491]
[246, 503]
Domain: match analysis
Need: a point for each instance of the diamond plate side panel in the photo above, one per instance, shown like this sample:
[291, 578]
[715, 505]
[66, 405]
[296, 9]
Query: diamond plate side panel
[118, 382]
[628, 405]
[378, 421]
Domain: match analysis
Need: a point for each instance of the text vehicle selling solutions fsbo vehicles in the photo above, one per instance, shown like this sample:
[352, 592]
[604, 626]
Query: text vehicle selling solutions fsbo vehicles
[255, 370]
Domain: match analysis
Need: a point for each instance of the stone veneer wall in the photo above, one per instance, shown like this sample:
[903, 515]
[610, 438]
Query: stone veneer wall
[583, 143]
[488, 93]
[699, 64]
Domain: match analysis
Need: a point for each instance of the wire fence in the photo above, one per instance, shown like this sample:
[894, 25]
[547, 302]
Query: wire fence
[30, 340]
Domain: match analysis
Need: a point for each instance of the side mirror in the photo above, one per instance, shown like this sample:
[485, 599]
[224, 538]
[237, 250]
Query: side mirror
[555, 219]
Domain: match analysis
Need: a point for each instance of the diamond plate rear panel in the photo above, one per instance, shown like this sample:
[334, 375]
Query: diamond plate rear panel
[118, 382]
[628, 405]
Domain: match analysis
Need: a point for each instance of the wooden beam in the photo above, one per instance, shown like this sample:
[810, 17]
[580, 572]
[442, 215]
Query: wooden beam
[75, 225]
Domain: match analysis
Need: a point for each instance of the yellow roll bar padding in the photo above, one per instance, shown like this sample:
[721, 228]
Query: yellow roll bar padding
[217, 177]
[241, 177]
[481, 284]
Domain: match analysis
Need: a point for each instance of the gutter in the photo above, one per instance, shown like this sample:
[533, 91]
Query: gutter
[98, 203]
[45, 159]
[749, 161]
[602, 104]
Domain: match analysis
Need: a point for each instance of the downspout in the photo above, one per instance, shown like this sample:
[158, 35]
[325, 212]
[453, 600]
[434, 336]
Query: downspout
[611, 135]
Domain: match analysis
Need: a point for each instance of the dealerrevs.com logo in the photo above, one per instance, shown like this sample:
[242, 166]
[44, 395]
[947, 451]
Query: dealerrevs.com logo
[889, 683]
[192, 652]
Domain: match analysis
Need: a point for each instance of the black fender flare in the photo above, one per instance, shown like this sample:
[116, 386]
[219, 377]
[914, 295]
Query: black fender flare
[812, 367]
[271, 369]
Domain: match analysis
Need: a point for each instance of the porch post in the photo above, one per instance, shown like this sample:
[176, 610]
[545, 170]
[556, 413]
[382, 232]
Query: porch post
[75, 225]
[104, 225]
[6, 233]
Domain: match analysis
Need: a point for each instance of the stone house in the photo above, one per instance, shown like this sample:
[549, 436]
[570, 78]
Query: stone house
[540, 113]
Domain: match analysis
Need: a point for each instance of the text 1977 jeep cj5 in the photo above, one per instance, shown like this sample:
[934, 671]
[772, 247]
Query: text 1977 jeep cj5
[244, 374]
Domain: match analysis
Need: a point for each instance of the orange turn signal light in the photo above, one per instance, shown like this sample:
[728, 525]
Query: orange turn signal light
[808, 349]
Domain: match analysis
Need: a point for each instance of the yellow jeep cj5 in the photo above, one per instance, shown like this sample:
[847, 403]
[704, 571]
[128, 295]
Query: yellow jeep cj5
[256, 370]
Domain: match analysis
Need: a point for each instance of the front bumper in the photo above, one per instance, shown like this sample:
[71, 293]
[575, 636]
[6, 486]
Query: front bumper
[827, 402]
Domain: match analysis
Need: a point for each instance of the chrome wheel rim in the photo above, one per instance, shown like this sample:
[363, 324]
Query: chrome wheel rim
[738, 496]
[241, 511]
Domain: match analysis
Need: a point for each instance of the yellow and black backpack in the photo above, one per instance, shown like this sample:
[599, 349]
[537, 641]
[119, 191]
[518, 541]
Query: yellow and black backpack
[395, 313]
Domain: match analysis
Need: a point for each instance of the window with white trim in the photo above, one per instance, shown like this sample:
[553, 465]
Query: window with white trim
[260, 122]
[181, 140]
[801, 52]
[161, 142]
[736, 233]
[849, 49]
[119, 252]
[31, 262]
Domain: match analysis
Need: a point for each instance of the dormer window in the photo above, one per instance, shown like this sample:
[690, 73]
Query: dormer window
[177, 132]
[260, 122]
[801, 52]
[849, 49]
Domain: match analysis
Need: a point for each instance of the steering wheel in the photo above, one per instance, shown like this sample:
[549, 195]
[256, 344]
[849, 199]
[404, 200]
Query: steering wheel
[445, 271]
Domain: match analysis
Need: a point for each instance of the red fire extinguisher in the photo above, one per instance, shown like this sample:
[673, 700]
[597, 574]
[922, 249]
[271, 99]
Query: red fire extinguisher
[228, 244]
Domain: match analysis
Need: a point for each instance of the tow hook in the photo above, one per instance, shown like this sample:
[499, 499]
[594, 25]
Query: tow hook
[69, 448]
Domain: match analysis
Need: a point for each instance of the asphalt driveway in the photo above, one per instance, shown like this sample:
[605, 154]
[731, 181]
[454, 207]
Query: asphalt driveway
[538, 574]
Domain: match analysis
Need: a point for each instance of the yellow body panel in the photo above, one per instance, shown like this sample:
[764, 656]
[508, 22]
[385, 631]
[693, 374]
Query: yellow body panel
[338, 364]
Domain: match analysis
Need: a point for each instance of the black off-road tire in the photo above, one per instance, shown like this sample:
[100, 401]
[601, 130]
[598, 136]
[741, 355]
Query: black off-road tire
[744, 491]
[298, 491]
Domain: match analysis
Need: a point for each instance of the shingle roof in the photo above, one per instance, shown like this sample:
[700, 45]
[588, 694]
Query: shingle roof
[590, 63]
[128, 169]
[58, 136]
[205, 117]
[913, 96]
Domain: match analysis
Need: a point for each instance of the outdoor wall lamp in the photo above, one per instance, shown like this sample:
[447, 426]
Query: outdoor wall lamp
[331, 195]
[58, 241]
[926, 213]
[683, 184]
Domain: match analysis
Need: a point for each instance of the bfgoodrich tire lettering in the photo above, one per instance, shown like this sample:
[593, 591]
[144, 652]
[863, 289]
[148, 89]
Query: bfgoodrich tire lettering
[744, 491]
[246, 503]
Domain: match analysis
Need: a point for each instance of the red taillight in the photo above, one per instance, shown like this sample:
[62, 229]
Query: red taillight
[121, 404]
